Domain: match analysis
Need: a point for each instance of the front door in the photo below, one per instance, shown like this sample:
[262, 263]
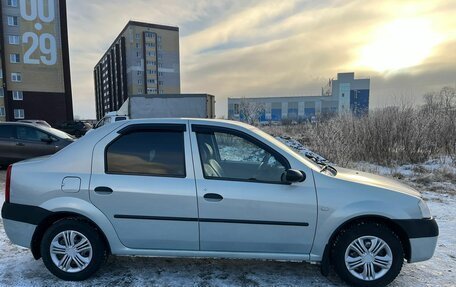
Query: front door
[32, 142]
[243, 205]
[142, 180]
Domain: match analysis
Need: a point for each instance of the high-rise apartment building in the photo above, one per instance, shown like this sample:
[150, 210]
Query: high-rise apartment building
[144, 59]
[34, 62]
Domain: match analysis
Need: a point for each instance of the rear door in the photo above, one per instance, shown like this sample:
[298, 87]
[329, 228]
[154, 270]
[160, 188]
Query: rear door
[143, 181]
[32, 142]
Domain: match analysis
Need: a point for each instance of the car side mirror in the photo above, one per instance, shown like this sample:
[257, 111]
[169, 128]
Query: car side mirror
[293, 175]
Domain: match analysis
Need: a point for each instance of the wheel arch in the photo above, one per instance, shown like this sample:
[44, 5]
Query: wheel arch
[57, 216]
[398, 230]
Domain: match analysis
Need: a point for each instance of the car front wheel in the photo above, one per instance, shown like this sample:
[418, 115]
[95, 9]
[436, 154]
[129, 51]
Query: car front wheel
[368, 254]
[72, 250]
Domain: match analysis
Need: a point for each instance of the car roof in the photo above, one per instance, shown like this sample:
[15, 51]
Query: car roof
[40, 127]
[202, 121]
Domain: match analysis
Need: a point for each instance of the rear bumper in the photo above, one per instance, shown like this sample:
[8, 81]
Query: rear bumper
[19, 233]
[20, 222]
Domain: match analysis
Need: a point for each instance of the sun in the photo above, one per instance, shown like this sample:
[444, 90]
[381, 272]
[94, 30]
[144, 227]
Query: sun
[400, 44]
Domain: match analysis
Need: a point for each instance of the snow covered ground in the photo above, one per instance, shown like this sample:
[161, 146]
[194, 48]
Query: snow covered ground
[18, 268]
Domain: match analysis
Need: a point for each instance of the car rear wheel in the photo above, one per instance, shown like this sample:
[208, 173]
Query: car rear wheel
[368, 254]
[72, 249]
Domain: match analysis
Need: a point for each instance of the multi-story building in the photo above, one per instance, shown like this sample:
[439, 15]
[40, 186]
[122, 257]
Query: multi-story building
[144, 59]
[343, 95]
[35, 67]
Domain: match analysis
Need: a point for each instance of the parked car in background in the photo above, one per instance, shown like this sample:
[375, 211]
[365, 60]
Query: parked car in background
[19, 141]
[76, 128]
[36, 122]
[210, 188]
[110, 117]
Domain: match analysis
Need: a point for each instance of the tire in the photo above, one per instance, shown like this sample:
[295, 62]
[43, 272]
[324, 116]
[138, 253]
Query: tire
[372, 236]
[71, 232]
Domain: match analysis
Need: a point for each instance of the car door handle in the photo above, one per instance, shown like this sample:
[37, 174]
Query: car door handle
[20, 144]
[103, 190]
[213, 197]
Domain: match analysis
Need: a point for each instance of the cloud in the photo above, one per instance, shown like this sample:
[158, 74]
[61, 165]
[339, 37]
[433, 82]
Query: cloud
[268, 48]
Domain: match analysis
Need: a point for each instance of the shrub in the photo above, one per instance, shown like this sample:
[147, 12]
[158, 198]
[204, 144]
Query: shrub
[387, 136]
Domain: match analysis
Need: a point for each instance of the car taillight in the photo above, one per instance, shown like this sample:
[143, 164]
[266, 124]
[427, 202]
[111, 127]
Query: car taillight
[8, 183]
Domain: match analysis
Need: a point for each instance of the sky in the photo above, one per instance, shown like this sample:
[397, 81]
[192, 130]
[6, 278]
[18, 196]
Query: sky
[249, 48]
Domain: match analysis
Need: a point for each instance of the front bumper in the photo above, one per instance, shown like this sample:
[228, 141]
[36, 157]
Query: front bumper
[422, 249]
[422, 234]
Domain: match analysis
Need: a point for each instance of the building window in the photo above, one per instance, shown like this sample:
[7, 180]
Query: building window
[12, 20]
[140, 82]
[2, 111]
[138, 36]
[151, 81]
[137, 45]
[16, 77]
[19, 114]
[2, 93]
[138, 73]
[159, 38]
[236, 109]
[18, 96]
[13, 39]
[1, 74]
[160, 83]
[12, 3]
[15, 58]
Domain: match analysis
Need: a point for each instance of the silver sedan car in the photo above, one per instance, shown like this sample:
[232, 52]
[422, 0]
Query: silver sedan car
[210, 188]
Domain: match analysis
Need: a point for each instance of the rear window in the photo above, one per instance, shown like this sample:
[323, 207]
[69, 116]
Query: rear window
[159, 153]
[6, 132]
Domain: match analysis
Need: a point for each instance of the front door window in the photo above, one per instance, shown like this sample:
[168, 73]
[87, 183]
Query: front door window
[235, 157]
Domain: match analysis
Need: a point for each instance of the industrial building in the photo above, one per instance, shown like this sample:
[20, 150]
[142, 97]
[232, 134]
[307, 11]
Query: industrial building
[343, 95]
[34, 61]
[143, 59]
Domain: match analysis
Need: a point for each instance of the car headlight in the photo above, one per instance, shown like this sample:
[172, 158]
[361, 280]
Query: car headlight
[425, 212]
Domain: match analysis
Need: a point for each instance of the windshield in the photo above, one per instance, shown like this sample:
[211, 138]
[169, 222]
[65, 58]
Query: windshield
[58, 133]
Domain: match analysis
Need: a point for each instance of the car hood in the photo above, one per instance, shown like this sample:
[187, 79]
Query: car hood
[375, 180]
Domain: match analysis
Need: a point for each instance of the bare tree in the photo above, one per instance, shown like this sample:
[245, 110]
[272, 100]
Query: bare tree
[251, 111]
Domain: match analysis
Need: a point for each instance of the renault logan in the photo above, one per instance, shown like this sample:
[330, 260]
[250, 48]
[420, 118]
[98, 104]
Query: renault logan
[210, 188]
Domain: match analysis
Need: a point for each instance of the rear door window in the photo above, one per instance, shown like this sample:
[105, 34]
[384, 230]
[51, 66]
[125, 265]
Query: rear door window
[159, 153]
[7, 132]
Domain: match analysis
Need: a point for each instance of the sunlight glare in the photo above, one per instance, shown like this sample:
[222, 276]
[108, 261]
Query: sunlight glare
[399, 44]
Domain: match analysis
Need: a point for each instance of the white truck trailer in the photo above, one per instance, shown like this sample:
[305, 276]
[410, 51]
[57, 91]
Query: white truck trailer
[163, 106]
